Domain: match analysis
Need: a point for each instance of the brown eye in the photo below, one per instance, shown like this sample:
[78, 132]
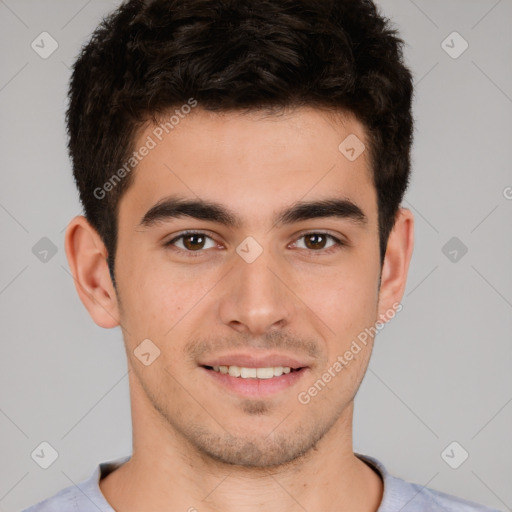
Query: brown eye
[193, 242]
[190, 242]
[317, 242]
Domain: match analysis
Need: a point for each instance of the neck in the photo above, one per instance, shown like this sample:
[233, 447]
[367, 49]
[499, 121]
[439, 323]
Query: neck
[166, 472]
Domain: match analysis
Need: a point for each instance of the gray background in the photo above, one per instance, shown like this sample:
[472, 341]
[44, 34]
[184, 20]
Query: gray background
[440, 371]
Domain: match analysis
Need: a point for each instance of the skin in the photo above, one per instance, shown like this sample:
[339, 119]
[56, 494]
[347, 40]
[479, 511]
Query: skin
[196, 444]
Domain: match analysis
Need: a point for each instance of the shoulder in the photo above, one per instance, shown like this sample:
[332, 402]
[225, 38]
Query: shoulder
[410, 497]
[83, 497]
[416, 498]
[66, 499]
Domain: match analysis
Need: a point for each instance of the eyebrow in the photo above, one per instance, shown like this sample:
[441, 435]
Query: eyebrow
[174, 207]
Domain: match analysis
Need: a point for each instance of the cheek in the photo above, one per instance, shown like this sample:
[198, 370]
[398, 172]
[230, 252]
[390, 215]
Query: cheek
[348, 308]
[345, 299]
[156, 296]
[345, 295]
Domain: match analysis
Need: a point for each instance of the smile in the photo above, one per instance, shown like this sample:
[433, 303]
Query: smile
[255, 382]
[252, 373]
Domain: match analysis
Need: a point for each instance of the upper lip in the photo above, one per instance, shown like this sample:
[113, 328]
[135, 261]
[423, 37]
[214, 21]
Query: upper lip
[252, 361]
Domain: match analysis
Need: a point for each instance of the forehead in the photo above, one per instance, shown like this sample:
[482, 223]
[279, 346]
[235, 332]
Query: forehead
[256, 163]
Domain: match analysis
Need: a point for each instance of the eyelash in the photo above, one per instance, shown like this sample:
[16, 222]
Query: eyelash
[194, 254]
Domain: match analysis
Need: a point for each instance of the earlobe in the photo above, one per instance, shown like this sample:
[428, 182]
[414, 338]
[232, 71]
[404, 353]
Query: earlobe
[87, 258]
[396, 263]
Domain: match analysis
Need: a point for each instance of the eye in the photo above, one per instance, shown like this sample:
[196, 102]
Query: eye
[316, 241]
[191, 242]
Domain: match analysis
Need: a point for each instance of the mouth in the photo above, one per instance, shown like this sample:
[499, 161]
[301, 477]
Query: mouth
[250, 382]
[244, 372]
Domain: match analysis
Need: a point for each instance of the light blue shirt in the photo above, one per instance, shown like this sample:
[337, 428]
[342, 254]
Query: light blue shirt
[398, 496]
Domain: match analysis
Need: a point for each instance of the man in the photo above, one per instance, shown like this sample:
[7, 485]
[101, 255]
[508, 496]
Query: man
[241, 165]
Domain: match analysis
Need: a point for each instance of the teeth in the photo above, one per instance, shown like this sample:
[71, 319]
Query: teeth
[253, 373]
[267, 373]
[234, 371]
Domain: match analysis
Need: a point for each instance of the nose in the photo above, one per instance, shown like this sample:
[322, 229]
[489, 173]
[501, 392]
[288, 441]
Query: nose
[255, 297]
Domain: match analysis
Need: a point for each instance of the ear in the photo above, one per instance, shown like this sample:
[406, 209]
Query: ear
[396, 264]
[87, 258]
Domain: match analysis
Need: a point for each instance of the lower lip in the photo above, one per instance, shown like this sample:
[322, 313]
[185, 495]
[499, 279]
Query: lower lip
[257, 387]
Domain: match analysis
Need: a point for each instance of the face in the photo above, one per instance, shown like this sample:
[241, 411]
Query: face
[261, 282]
